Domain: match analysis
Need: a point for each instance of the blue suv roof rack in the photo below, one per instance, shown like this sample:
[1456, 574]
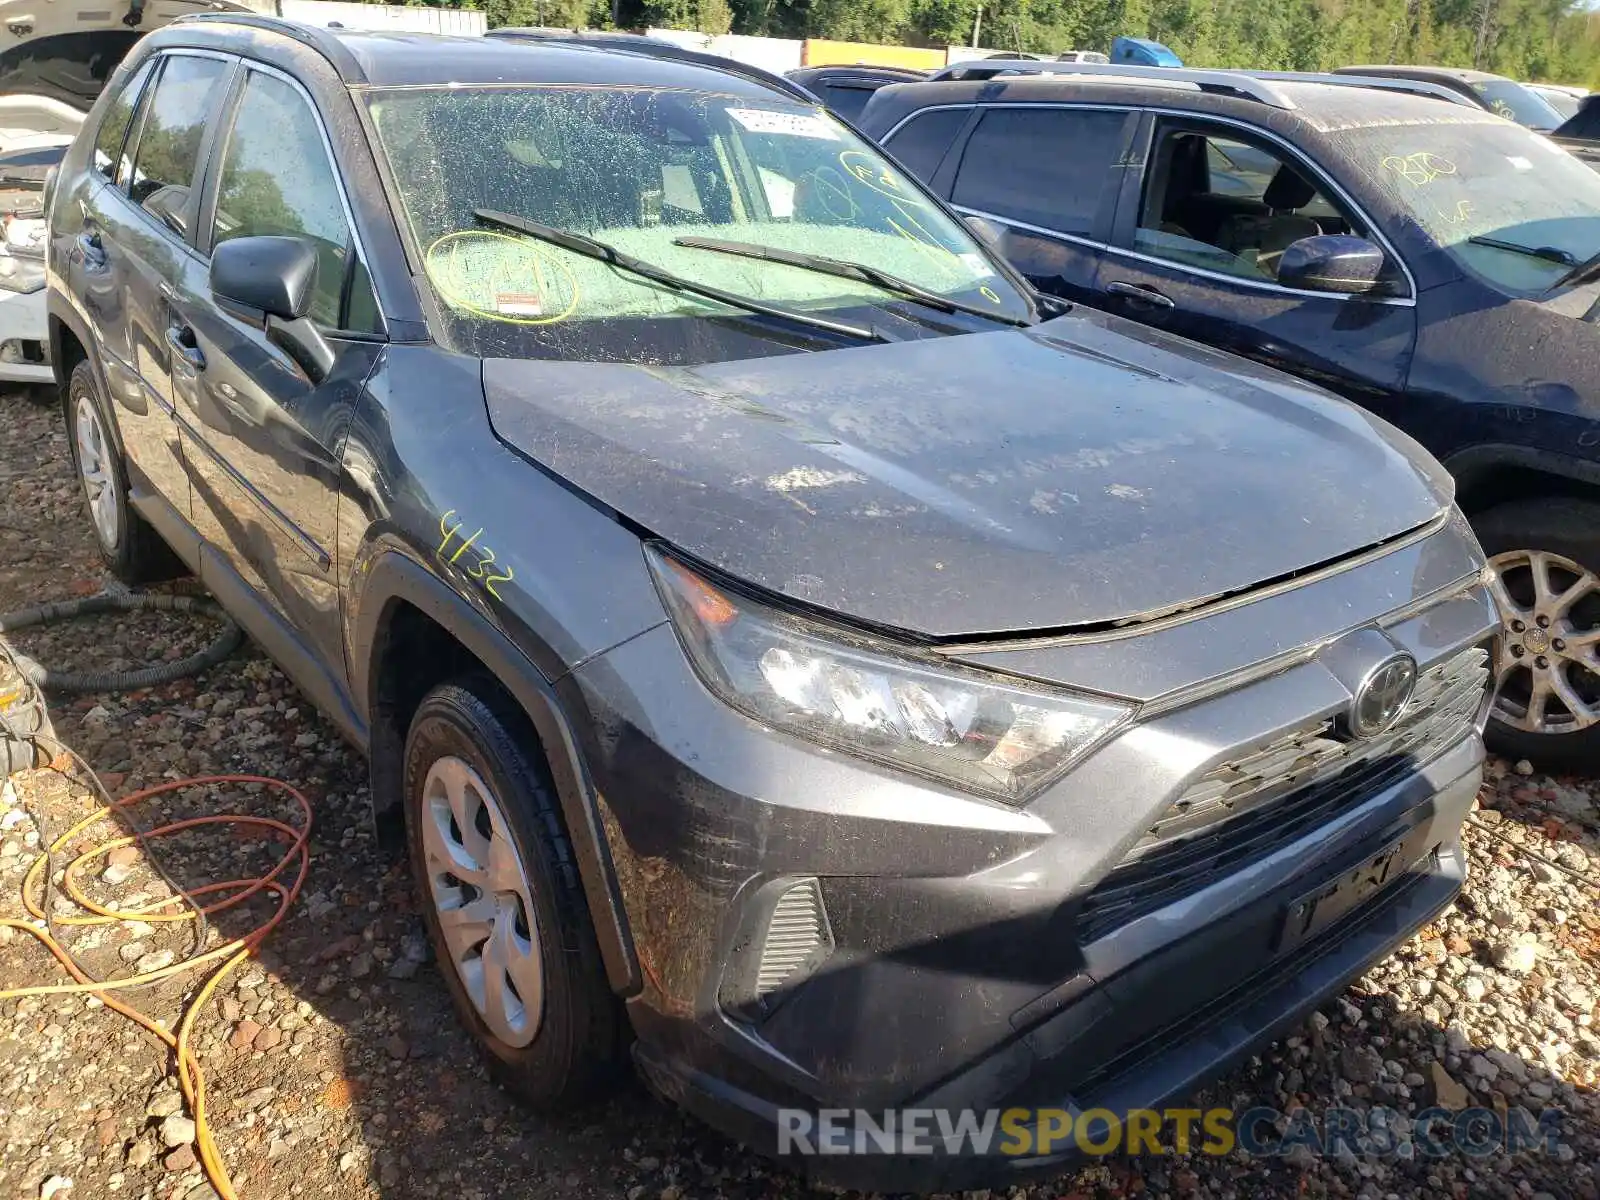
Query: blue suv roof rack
[1415, 87]
[1230, 83]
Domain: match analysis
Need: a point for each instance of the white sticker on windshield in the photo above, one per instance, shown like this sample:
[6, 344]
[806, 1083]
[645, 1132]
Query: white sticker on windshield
[1520, 163]
[977, 264]
[765, 120]
[519, 304]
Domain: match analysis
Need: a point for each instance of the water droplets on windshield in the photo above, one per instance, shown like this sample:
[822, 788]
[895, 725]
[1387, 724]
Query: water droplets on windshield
[638, 168]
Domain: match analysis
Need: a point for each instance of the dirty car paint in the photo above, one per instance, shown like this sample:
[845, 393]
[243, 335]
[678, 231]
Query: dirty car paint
[1066, 476]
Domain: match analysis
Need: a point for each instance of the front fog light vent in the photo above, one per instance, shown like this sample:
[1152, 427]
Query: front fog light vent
[796, 932]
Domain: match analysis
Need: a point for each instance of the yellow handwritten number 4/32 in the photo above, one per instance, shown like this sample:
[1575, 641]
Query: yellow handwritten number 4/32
[481, 556]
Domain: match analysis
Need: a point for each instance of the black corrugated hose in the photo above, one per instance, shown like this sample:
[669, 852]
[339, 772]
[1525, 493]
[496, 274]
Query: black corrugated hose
[54, 680]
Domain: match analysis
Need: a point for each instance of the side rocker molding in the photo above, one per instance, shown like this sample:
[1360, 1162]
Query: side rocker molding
[395, 578]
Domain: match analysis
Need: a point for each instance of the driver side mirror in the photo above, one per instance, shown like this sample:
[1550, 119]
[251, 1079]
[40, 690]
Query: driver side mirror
[272, 279]
[1337, 263]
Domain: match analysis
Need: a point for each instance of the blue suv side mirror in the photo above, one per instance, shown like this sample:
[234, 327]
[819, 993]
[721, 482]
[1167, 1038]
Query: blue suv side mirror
[1333, 262]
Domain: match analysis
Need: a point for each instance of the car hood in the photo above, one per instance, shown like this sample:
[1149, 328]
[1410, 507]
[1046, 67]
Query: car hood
[1071, 474]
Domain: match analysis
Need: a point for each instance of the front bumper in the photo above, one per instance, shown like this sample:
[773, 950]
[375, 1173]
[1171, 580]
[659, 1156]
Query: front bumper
[24, 338]
[1143, 1039]
[951, 963]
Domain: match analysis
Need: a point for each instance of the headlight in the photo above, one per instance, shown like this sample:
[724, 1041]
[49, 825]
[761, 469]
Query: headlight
[979, 731]
[19, 273]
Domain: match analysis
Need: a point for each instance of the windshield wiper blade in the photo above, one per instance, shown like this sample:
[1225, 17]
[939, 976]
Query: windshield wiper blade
[1582, 273]
[848, 270]
[1549, 253]
[589, 247]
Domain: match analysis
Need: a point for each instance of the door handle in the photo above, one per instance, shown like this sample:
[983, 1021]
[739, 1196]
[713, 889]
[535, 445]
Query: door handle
[1139, 294]
[181, 339]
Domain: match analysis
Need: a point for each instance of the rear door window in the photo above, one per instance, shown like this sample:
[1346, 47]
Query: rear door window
[920, 144]
[1051, 167]
[187, 92]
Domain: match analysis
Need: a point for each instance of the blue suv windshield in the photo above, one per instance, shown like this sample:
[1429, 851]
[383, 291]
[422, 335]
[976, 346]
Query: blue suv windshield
[1516, 103]
[1467, 181]
[640, 169]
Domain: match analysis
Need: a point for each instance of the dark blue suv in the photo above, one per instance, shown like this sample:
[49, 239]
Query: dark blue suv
[1426, 259]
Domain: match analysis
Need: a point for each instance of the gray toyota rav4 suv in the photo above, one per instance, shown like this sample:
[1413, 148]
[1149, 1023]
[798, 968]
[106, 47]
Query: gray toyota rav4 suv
[783, 642]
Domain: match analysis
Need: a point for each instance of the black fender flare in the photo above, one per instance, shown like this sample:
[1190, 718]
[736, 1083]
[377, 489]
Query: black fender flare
[393, 577]
[1471, 465]
[61, 315]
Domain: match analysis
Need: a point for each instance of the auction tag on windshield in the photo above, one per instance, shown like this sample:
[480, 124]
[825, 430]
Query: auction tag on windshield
[765, 120]
[976, 263]
[519, 304]
[1520, 163]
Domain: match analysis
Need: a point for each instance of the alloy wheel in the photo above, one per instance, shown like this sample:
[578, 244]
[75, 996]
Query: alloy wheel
[1547, 657]
[480, 892]
[95, 470]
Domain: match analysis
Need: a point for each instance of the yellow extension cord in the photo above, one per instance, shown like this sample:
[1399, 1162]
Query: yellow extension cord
[190, 1078]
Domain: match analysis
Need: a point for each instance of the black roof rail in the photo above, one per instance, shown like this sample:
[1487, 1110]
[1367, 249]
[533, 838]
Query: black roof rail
[324, 43]
[1415, 87]
[1239, 84]
[650, 47]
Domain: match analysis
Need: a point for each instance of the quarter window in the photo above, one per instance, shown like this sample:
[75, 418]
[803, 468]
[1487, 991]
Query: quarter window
[1045, 166]
[922, 141]
[108, 158]
[187, 91]
[256, 195]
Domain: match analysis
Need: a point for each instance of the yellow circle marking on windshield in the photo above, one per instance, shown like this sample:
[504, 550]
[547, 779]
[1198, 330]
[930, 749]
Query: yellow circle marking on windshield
[834, 194]
[500, 277]
[988, 293]
[877, 175]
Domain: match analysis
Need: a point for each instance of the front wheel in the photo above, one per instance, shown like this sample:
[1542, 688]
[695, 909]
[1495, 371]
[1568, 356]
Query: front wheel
[502, 900]
[1546, 558]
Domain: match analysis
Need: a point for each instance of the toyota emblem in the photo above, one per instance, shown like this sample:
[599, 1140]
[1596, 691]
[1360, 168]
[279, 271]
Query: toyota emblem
[1383, 696]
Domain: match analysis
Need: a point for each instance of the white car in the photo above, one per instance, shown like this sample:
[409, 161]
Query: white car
[22, 314]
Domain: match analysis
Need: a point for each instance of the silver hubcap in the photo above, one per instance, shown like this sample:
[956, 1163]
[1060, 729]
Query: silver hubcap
[1547, 670]
[94, 468]
[480, 892]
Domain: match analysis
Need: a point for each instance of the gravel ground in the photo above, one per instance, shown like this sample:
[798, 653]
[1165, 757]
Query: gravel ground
[336, 1067]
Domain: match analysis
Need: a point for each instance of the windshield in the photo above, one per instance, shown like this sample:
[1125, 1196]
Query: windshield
[1481, 179]
[1517, 103]
[1564, 103]
[639, 168]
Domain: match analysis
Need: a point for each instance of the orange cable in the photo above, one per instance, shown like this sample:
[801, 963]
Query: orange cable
[190, 1079]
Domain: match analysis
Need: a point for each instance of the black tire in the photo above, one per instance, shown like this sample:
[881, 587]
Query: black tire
[1570, 528]
[580, 1047]
[136, 554]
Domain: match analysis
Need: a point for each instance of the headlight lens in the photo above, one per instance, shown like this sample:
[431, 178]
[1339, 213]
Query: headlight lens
[22, 254]
[976, 730]
[20, 273]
